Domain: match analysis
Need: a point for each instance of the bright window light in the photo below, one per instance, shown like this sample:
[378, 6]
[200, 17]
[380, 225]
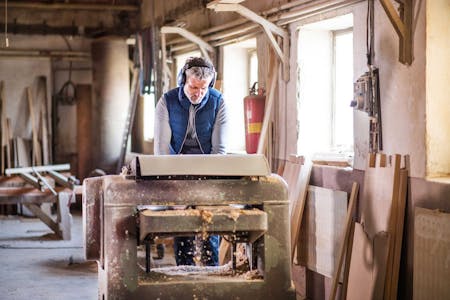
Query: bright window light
[149, 116]
[325, 87]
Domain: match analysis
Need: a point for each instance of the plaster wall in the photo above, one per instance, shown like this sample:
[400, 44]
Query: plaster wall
[19, 72]
[437, 87]
[402, 87]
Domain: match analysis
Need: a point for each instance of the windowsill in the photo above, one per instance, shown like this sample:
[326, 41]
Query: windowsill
[342, 160]
[442, 179]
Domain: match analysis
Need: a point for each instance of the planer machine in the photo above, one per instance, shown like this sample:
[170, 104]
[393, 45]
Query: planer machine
[230, 195]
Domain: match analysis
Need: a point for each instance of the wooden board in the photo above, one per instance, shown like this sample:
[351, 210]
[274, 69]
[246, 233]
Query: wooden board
[396, 244]
[290, 174]
[298, 198]
[344, 240]
[2, 163]
[23, 152]
[41, 104]
[322, 224]
[367, 265]
[381, 186]
[37, 155]
[431, 278]
[382, 211]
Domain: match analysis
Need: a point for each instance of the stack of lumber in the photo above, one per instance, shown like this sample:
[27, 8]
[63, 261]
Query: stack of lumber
[19, 151]
[377, 239]
[320, 221]
[322, 224]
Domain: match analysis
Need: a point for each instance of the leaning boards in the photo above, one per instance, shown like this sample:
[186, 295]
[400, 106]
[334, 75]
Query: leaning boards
[379, 233]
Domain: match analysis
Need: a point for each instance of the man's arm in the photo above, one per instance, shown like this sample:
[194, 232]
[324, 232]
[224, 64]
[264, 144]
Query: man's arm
[219, 139]
[163, 132]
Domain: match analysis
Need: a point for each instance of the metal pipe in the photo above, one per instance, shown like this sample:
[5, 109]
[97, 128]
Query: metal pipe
[241, 21]
[313, 9]
[222, 35]
[62, 167]
[44, 182]
[45, 53]
[72, 6]
[309, 9]
[61, 179]
[31, 180]
[236, 39]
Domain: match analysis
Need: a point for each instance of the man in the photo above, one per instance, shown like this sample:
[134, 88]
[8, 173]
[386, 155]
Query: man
[192, 119]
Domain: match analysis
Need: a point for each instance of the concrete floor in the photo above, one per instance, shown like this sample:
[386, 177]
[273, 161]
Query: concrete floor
[34, 264]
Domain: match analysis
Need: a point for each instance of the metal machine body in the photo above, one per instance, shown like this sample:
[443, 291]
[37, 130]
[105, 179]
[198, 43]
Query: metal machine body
[113, 227]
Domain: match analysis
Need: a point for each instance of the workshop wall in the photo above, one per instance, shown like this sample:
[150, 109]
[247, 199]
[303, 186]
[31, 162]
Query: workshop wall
[30, 58]
[17, 74]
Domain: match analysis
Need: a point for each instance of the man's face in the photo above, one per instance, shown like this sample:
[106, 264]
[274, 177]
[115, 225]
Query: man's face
[196, 89]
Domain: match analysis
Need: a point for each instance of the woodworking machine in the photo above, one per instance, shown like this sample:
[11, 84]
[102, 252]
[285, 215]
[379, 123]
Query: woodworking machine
[230, 195]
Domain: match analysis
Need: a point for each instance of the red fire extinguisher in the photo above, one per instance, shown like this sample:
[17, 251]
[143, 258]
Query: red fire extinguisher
[253, 115]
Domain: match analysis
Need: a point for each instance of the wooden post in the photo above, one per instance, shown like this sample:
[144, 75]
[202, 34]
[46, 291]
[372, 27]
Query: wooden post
[268, 108]
[84, 130]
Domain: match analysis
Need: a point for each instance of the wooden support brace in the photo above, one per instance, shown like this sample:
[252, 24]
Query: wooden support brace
[403, 26]
[36, 210]
[269, 28]
[204, 46]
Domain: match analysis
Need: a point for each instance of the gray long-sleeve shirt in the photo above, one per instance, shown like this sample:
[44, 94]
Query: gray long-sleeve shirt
[163, 133]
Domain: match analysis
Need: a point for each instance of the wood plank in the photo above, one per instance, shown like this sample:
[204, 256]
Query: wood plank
[431, 254]
[224, 252]
[37, 155]
[381, 185]
[367, 262]
[23, 151]
[322, 225]
[7, 192]
[262, 143]
[43, 115]
[2, 97]
[348, 256]
[392, 226]
[398, 235]
[64, 218]
[290, 174]
[43, 217]
[344, 240]
[299, 197]
[7, 134]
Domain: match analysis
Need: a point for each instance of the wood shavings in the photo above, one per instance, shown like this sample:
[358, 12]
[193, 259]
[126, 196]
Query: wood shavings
[206, 216]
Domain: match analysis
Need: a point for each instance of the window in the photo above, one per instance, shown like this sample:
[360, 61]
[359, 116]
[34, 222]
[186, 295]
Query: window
[253, 68]
[325, 87]
[240, 70]
[149, 115]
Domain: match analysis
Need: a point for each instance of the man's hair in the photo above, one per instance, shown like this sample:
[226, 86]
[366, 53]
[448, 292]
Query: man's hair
[202, 73]
[199, 68]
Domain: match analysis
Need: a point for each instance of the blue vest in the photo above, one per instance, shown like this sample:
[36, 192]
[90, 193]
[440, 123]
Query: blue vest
[178, 107]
